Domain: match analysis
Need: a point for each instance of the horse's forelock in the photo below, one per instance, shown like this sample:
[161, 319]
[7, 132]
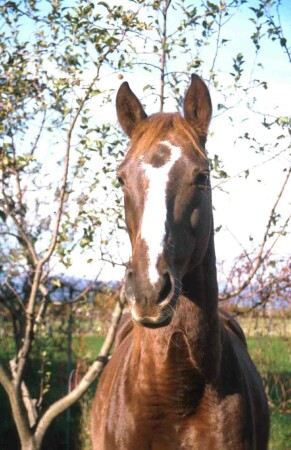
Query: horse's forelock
[164, 126]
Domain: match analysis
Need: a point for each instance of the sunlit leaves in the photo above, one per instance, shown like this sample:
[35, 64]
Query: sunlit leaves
[44, 76]
[238, 62]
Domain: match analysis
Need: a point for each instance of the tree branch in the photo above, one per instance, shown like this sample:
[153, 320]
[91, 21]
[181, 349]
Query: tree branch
[91, 375]
[164, 53]
[260, 257]
[18, 409]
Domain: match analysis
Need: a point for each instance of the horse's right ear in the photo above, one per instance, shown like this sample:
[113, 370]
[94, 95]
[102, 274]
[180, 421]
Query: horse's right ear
[129, 109]
[197, 106]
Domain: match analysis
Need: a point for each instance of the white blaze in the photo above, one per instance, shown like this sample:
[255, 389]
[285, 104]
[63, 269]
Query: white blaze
[155, 209]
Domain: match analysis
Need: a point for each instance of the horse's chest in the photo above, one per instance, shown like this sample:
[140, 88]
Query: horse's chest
[158, 425]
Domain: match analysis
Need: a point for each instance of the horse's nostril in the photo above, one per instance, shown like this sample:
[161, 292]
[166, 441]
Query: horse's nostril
[129, 273]
[129, 277]
[129, 291]
[167, 286]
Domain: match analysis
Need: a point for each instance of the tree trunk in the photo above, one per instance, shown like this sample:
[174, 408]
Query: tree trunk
[29, 445]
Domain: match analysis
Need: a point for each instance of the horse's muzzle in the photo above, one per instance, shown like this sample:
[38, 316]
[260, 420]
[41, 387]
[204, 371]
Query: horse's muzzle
[151, 305]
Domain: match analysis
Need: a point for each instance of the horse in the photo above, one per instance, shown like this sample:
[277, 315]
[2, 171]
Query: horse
[180, 376]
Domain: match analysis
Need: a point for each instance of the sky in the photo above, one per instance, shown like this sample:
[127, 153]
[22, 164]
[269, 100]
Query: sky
[242, 208]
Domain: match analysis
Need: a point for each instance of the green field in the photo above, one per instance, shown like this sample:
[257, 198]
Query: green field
[271, 355]
[273, 360]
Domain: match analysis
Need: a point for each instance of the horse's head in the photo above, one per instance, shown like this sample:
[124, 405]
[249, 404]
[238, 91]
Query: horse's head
[165, 180]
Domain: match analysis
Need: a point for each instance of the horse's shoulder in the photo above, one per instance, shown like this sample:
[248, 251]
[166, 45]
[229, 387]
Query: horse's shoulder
[232, 326]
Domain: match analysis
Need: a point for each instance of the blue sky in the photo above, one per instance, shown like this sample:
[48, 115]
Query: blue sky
[243, 209]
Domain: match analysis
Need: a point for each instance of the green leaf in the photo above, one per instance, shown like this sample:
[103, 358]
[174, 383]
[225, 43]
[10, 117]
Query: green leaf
[283, 42]
[56, 282]
[104, 4]
[3, 216]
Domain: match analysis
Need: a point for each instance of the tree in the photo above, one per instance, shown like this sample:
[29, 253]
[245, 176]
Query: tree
[45, 85]
[59, 63]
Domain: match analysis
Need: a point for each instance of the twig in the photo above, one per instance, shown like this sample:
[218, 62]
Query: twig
[91, 375]
[217, 42]
[20, 229]
[33, 148]
[164, 53]
[84, 292]
[241, 172]
[260, 257]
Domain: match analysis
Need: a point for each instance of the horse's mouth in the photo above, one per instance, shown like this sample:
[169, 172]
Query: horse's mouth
[162, 319]
[148, 323]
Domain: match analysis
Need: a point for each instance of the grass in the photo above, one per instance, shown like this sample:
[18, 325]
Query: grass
[266, 326]
[280, 432]
[88, 346]
[271, 354]
[272, 357]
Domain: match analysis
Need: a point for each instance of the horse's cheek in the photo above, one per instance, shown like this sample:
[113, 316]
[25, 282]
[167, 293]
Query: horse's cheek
[195, 216]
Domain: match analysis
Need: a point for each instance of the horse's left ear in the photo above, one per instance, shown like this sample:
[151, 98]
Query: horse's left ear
[129, 109]
[197, 106]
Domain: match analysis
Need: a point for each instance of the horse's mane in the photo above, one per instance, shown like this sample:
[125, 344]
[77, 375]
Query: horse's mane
[161, 126]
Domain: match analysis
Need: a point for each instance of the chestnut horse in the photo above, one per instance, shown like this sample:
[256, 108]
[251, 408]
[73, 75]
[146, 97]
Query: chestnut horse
[181, 376]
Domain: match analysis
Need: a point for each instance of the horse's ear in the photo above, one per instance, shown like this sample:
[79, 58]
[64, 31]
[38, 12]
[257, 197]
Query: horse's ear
[197, 106]
[129, 109]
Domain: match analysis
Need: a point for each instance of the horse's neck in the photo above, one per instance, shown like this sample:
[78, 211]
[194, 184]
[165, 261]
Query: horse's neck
[201, 289]
[194, 335]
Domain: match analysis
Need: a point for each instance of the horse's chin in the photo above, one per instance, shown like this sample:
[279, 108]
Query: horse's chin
[152, 324]
[158, 320]
[153, 313]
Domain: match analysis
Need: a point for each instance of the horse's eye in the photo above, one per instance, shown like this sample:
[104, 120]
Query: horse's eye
[201, 179]
[120, 181]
